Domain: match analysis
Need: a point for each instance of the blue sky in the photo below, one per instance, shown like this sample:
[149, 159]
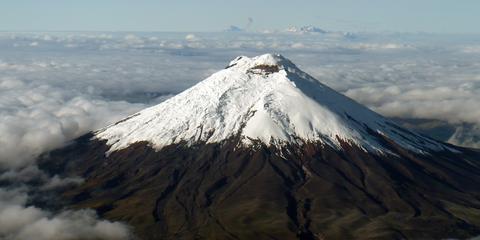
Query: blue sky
[439, 16]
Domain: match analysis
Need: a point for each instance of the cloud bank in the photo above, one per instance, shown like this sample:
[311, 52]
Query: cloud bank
[21, 222]
[55, 87]
[37, 118]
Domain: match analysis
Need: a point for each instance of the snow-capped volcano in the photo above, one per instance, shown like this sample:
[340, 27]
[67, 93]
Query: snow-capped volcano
[264, 98]
[261, 150]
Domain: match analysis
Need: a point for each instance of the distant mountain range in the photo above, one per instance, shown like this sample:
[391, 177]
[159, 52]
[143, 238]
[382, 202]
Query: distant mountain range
[298, 30]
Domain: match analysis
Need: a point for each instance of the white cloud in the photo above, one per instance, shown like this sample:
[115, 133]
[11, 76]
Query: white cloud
[298, 45]
[21, 222]
[467, 135]
[471, 49]
[133, 39]
[191, 38]
[445, 89]
[57, 182]
[37, 118]
[381, 46]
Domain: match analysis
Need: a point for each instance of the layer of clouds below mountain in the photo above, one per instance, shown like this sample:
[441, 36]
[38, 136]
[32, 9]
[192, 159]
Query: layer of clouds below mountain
[447, 90]
[21, 222]
[55, 87]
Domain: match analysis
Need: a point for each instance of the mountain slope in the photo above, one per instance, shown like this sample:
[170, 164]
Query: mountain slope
[260, 150]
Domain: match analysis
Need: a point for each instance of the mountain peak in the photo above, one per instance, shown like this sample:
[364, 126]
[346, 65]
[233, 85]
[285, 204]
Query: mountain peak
[266, 63]
[265, 59]
[262, 99]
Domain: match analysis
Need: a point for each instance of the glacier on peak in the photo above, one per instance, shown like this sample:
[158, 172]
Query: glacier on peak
[264, 98]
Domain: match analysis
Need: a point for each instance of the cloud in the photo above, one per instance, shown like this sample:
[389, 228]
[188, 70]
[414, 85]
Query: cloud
[381, 46]
[467, 135]
[37, 118]
[57, 182]
[19, 221]
[298, 45]
[475, 49]
[447, 90]
[191, 38]
[133, 39]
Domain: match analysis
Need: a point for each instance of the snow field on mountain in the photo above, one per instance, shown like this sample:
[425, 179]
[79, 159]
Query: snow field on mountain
[264, 98]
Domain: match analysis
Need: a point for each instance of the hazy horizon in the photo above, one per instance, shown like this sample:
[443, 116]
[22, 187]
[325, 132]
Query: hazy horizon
[430, 16]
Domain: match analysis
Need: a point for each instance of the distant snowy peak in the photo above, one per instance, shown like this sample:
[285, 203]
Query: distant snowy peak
[318, 31]
[267, 99]
[233, 28]
[305, 29]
